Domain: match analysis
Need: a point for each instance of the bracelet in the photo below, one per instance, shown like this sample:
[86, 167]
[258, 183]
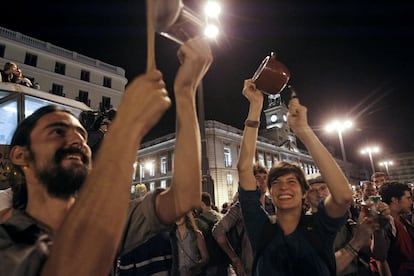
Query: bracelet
[253, 124]
[351, 250]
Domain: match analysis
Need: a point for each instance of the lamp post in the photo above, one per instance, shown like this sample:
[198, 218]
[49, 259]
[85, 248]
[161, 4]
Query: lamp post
[370, 151]
[340, 127]
[386, 164]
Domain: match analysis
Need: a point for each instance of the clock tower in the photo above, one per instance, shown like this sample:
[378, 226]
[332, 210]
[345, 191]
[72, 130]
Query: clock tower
[277, 128]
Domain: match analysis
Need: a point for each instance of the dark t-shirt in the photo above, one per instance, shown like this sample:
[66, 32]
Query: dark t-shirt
[289, 254]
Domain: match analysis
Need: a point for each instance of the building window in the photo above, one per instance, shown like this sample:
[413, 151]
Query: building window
[269, 162]
[229, 179]
[30, 59]
[60, 68]
[141, 171]
[164, 183]
[83, 97]
[163, 163]
[105, 104]
[260, 158]
[85, 75]
[151, 169]
[107, 82]
[227, 157]
[57, 89]
[2, 50]
[152, 186]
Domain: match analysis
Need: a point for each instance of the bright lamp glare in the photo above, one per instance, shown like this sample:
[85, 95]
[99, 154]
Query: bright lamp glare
[211, 31]
[338, 126]
[212, 9]
[348, 124]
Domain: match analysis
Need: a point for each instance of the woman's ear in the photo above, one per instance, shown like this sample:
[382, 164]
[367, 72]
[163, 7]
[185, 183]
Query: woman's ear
[17, 155]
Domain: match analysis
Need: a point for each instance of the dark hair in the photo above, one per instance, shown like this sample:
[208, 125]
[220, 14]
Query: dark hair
[283, 168]
[206, 198]
[393, 189]
[21, 137]
[257, 168]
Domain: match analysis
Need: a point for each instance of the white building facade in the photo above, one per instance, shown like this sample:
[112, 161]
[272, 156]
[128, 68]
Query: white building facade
[155, 160]
[63, 72]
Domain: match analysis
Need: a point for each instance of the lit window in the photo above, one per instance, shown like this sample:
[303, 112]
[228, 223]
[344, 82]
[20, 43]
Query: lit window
[142, 171]
[269, 162]
[229, 179]
[164, 184]
[261, 159]
[163, 167]
[227, 157]
[152, 186]
[151, 169]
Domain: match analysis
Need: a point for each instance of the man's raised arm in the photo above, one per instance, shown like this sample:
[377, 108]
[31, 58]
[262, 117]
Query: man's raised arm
[87, 241]
[184, 193]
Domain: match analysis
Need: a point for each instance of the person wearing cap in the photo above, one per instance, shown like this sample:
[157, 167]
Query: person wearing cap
[317, 191]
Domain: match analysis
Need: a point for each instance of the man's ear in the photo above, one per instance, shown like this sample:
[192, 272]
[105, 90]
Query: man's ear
[394, 200]
[18, 155]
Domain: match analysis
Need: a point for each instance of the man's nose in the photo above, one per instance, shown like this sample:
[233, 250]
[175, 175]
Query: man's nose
[75, 138]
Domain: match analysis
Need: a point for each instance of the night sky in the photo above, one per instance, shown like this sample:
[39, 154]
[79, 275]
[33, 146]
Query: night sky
[349, 59]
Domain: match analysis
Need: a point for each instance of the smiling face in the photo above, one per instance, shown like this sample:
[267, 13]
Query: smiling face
[58, 156]
[286, 192]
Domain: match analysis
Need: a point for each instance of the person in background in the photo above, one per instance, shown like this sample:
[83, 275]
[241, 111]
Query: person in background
[368, 189]
[6, 202]
[98, 131]
[230, 231]
[189, 248]
[205, 221]
[8, 74]
[77, 219]
[288, 249]
[22, 80]
[395, 241]
[378, 178]
[318, 190]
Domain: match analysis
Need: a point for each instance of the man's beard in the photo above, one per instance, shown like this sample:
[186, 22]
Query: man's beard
[64, 182]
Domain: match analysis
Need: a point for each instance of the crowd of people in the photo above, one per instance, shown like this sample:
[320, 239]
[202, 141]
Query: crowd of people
[63, 216]
[12, 73]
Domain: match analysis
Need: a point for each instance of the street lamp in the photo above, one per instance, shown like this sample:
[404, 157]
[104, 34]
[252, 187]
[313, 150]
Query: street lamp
[386, 164]
[340, 127]
[212, 11]
[370, 151]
